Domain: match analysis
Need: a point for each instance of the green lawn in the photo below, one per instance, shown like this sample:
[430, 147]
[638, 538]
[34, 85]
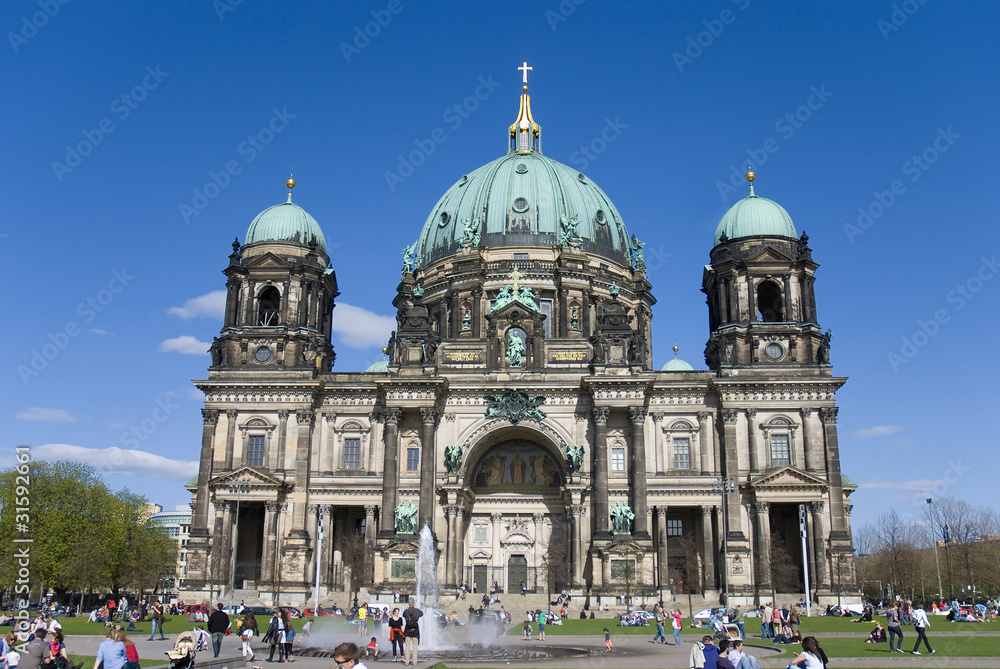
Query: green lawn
[88, 661]
[945, 646]
[173, 626]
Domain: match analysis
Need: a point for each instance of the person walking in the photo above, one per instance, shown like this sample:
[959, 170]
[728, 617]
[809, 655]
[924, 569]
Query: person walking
[661, 620]
[218, 623]
[607, 640]
[247, 632]
[793, 619]
[893, 619]
[765, 621]
[396, 633]
[676, 625]
[287, 635]
[921, 623]
[271, 637]
[738, 619]
[157, 620]
[411, 634]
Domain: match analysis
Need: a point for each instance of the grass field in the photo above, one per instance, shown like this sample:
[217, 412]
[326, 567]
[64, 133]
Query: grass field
[173, 626]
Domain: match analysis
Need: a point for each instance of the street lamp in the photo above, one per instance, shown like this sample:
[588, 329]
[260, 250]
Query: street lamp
[237, 487]
[937, 560]
[947, 556]
[724, 486]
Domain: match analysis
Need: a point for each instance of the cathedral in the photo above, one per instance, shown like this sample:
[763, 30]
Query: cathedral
[517, 415]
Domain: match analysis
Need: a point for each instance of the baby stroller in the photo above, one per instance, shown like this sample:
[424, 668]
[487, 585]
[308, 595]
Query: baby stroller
[182, 656]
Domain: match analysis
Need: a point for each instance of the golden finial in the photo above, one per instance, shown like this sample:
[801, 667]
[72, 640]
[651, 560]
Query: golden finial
[290, 184]
[676, 348]
[525, 88]
[750, 176]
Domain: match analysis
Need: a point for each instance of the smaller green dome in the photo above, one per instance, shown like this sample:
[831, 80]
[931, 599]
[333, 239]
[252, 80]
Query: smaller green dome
[380, 367]
[677, 365]
[286, 222]
[755, 216]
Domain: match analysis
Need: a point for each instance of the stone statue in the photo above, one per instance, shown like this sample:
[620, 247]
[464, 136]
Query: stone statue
[638, 262]
[408, 258]
[406, 518]
[452, 458]
[515, 347]
[621, 518]
[574, 454]
[823, 354]
[574, 318]
[727, 354]
[597, 341]
[471, 232]
[569, 236]
[466, 321]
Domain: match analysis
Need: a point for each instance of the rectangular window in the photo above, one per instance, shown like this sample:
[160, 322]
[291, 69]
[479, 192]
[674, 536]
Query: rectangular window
[480, 534]
[617, 459]
[682, 453]
[412, 459]
[675, 527]
[255, 450]
[780, 453]
[352, 454]
[546, 306]
[520, 256]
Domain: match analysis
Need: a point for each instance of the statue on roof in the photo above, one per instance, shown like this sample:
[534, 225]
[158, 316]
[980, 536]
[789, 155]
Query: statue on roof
[408, 258]
[471, 232]
[569, 235]
[406, 518]
[621, 518]
[638, 262]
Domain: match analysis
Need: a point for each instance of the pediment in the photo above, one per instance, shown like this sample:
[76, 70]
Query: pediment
[481, 555]
[768, 254]
[266, 261]
[400, 548]
[516, 538]
[256, 477]
[788, 477]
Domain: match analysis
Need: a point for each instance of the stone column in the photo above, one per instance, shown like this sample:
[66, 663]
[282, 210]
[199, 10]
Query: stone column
[325, 464]
[300, 495]
[723, 296]
[232, 301]
[807, 439]
[640, 525]
[452, 515]
[370, 510]
[661, 547]
[390, 471]
[601, 508]
[327, 558]
[579, 556]
[659, 455]
[730, 469]
[752, 436]
[199, 525]
[267, 571]
[282, 436]
[819, 545]
[752, 299]
[708, 549]
[428, 468]
[705, 443]
[226, 510]
[763, 544]
[231, 415]
[477, 312]
[829, 418]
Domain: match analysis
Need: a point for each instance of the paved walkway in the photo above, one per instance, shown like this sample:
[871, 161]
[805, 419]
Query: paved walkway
[630, 652]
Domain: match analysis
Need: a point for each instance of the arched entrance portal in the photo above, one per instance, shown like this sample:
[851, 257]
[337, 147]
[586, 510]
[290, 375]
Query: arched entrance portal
[517, 530]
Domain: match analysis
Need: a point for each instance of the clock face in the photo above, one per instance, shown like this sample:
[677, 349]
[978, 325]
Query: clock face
[774, 351]
[262, 354]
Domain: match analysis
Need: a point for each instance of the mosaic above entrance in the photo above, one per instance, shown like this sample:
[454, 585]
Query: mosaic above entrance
[517, 465]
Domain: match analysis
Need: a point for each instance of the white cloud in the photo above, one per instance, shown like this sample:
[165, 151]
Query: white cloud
[919, 485]
[114, 460]
[195, 394]
[115, 426]
[877, 431]
[209, 305]
[47, 415]
[184, 344]
[360, 328]
[97, 332]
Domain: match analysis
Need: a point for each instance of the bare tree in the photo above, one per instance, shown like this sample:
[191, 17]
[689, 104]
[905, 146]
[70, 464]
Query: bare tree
[785, 575]
[358, 561]
[690, 571]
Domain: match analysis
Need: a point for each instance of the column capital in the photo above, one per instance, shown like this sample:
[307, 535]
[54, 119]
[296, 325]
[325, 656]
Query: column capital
[391, 415]
[272, 506]
[370, 510]
[223, 505]
[496, 517]
[601, 414]
[761, 507]
[576, 509]
[817, 507]
[210, 416]
[637, 414]
[282, 414]
[305, 416]
[703, 416]
[751, 412]
[729, 416]
[805, 412]
[706, 511]
[429, 414]
[231, 414]
[829, 415]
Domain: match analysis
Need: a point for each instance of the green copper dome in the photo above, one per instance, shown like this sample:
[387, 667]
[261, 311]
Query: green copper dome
[523, 199]
[287, 222]
[755, 216]
[380, 367]
[677, 365]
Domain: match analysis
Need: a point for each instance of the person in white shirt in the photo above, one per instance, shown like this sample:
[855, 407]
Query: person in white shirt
[740, 659]
[920, 622]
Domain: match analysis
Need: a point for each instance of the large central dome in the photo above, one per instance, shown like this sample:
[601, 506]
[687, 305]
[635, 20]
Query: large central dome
[520, 200]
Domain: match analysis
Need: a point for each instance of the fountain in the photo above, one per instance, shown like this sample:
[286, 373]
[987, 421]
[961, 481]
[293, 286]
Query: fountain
[426, 596]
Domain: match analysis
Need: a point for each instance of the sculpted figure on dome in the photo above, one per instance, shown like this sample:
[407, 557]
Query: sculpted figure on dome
[471, 232]
[408, 258]
[638, 262]
[569, 235]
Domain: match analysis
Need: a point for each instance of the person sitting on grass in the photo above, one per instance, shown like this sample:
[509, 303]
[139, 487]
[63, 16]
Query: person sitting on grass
[878, 634]
[739, 658]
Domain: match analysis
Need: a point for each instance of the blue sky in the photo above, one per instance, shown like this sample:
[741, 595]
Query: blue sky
[117, 118]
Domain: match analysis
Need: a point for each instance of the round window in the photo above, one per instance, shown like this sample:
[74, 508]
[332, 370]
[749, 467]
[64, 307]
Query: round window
[774, 351]
[262, 354]
[444, 219]
[600, 218]
[521, 168]
[520, 205]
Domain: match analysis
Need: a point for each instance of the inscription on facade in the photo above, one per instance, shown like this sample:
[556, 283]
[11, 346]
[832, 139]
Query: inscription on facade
[569, 356]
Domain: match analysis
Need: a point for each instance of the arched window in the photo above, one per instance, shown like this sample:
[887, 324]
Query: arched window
[769, 302]
[268, 305]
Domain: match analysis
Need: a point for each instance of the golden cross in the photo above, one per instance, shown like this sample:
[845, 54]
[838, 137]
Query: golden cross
[524, 68]
[514, 276]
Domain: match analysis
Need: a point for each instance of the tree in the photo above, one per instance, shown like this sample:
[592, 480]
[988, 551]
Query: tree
[359, 560]
[555, 566]
[689, 572]
[785, 574]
